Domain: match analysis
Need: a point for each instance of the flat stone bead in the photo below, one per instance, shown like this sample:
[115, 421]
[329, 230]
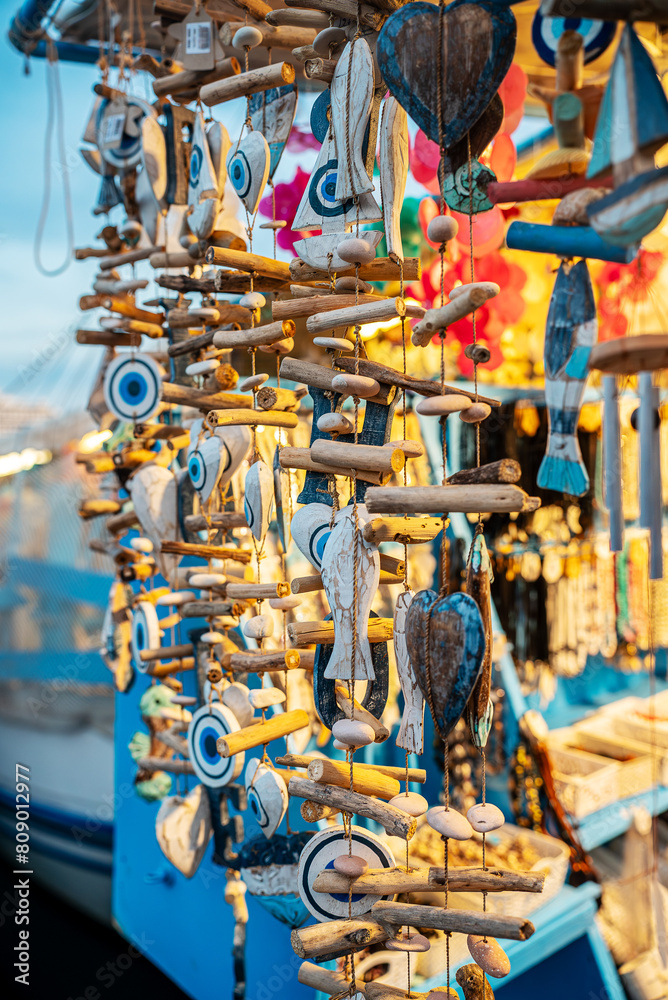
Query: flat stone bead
[252, 300]
[202, 367]
[356, 251]
[347, 283]
[441, 229]
[449, 823]
[205, 312]
[260, 627]
[338, 745]
[351, 865]
[410, 942]
[413, 804]
[327, 41]
[356, 385]
[264, 697]
[353, 733]
[284, 603]
[441, 992]
[334, 343]
[334, 423]
[211, 638]
[252, 382]
[207, 580]
[441, 406]
[476, 412]
[247, 37]
[141, 545]
[175, 599]
[489, 955]
[485, 817]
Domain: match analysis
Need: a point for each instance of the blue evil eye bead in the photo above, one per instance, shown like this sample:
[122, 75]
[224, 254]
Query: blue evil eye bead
[132, 387]
[318, 541]
[196, 158]
[546, 32]
[145, 633]
[248, 513]
[208, 724]
[322, 192]
[197, 470]
[239, 172]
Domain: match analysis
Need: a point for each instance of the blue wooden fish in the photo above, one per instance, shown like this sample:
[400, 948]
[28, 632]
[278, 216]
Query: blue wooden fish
[570, 333]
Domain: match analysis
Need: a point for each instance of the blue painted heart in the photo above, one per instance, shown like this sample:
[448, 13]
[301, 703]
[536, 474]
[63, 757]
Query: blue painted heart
[477, 50]
[445, 637]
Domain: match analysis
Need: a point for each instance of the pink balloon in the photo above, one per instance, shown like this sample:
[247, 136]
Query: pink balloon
[503, 157]
[426, 151]
[488, 231]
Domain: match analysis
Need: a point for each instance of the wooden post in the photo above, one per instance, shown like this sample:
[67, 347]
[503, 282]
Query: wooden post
[263, 733]
[395, 822]
[459, 921]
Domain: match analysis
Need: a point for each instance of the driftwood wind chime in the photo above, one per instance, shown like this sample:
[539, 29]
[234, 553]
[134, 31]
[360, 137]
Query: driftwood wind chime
[204, 458]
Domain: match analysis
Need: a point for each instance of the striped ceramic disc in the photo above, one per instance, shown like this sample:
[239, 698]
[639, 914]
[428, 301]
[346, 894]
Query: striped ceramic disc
[546, 32]
[320, 852]
[145, 632]
[208, 724]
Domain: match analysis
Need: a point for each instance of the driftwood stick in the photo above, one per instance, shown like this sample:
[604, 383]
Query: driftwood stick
[395, 822]
[271, 397]
[460, 921]
[406, 530]
[130, 257]
[164, 764]
[417, 774]
[252, 82]
[166, 652]
[257, 663]
[337, 937]
[380, 269]
[206, 551]
[359, 712]
[302, 458]
[506, 470]
[422, 386]
[313, 812]
[334, 772]
[304, 307]
[474, 499]
[205, 609]
[390, 881]
[369, 16]
[252, 418]
[226, 520]
[203, 400]
[262, 733]
[318, 978]
[171, 667]
[320, 377]
[105, 338]
[322, 633]
[250, 262]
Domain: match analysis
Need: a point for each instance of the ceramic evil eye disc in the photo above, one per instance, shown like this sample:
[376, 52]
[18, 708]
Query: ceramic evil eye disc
[207, 725]
[132, 387]
[317, 543]
[145, 632]
[546, 32]
[322, 190]
[196, 158]
[320, 852]
[239, 172]
[197, 470]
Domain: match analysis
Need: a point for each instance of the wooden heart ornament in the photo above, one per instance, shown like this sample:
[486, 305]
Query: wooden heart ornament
[478, 48]
[267, 796]
[446, 644]
[183, 829]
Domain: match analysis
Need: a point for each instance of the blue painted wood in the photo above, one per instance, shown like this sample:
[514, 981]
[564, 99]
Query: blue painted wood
[375, 695]
[566, 241]
[78, 584]
[633, 210]
[407, 51]
[446, 644]
[272, 113]
[315, 483]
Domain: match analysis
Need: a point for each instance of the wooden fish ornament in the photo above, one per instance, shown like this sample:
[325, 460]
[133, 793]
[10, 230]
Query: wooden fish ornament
[324, 691]
[151, 189]
[219, 144]
[446, 644]
[258, 498]
[348, 557]
[270, 870]
[117, 636]
[205, 460]
[272, 114]
[248, 169]
[478, 586]
[649, 432]
[570, 333]
[408, 56]
[393, 163]
[154, 494]
[203, 190]
[267, 795]
[351, 95]
[180, 122]
[146, 632]
[411, 732]
[118, 129]
[183, 829]
[310, 529]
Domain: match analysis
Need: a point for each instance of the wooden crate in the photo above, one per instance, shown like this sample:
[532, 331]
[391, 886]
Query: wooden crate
[630, 719]
[584, 782]
[638, 769]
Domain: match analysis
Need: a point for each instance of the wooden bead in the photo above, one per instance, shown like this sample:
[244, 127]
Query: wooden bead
[441, 229]
[485, 817]
[350, 865]
[264, 697]
[252, 382]
[280, 347]
[475, 413]
[489, 955]
[352, 733]
[356, 385]
[334, 343]
[211, 638]
[441, 406]
[275, 224]
[175, 599]
[328, 41]
[202, 367]
[411, 803]
[260, 627]
[252, 300]
[247, 37]
[355, 251]
[348, 284]
[409, 942]
[144, 545]
[449, 823]
[334, 423]
[205, 580]
[284, 603]
[477, 353]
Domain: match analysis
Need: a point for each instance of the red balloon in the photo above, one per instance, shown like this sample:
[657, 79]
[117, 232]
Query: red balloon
[503, 157]
[488, 231]
[513, 92]
[426, 151]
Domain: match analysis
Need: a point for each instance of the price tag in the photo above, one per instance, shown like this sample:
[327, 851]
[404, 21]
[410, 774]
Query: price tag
[113, 124]
[198, 38]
